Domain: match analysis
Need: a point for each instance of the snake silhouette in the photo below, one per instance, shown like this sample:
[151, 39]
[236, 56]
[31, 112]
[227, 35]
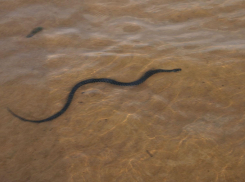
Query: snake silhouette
[94, 80]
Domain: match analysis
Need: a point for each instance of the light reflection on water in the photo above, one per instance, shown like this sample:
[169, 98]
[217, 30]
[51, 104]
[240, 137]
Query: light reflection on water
[185, 126]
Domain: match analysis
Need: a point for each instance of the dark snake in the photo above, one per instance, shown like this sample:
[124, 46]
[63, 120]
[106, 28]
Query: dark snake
[94, 80]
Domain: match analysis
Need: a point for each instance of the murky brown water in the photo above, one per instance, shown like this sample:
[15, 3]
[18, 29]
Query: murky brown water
[175, 127]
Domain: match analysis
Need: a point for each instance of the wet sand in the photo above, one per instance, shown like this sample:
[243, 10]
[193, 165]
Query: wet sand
[184, 126]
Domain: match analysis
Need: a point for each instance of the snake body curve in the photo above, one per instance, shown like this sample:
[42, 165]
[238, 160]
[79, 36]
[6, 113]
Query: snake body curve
[94, 80]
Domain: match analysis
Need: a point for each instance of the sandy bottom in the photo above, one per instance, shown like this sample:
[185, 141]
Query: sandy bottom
[187, 126]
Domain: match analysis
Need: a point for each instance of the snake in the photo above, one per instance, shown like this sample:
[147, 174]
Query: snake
[142, 79]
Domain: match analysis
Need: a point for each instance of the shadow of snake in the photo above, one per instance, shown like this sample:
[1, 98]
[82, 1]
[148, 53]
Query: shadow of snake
[94, 80]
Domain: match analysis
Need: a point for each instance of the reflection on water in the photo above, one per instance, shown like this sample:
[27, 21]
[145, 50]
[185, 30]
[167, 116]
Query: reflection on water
[174, 127]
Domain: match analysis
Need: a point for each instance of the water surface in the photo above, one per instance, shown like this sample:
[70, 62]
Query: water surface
[185, 126]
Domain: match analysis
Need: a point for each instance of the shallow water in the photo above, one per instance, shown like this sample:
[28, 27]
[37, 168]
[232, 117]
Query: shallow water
[185, 126]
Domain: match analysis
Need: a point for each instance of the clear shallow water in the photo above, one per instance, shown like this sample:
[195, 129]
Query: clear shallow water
[185, 126]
